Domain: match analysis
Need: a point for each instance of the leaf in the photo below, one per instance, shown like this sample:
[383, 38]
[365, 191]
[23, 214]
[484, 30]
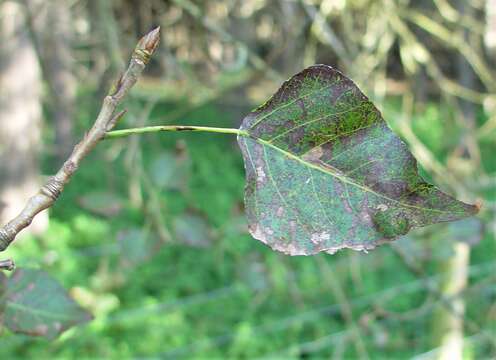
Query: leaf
[170, 170]
[102, 203]
[469, 231]
[137, 246]
[192, 230]
[162, 169]
[36, 304]
[325, 172]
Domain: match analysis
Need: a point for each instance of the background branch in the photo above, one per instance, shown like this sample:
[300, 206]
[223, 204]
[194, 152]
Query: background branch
[105, 121]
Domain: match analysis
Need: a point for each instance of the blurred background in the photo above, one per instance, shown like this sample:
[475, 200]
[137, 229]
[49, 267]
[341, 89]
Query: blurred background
[151, 237]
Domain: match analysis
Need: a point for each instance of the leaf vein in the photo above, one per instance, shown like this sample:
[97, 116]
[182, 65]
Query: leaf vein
[255, 171]
[259, 120]
[347, 180]
[324, 211]
[274, 183]
[38, 312]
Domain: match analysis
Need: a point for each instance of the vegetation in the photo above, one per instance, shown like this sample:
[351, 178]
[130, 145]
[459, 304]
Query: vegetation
[151, 237]
[230, 295]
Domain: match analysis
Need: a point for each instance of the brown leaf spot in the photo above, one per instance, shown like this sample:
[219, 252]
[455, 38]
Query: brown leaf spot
[314, 155]
[40, 330]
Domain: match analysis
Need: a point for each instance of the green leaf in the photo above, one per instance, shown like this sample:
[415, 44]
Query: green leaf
[137, 245]
[325, 172]
[103, 203]
[36, 304]
[170, 170]
[192, 230]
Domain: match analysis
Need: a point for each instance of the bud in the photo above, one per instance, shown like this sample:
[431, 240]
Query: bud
[147, 45]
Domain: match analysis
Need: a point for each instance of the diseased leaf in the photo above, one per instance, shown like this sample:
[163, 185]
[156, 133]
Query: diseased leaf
[36, 304]
[325, 172]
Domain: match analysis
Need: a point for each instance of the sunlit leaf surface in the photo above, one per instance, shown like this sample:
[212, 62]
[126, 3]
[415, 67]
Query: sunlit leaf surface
[325, 172]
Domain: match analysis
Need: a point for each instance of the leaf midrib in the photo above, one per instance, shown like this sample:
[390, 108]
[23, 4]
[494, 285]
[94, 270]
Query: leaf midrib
[342, 177]
[39, 312]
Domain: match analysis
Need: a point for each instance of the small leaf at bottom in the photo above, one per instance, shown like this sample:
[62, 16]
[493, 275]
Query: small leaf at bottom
[36, 304]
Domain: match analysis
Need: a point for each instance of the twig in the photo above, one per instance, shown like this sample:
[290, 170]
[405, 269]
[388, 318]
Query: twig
[105, 121]
[7, 265]
[152, 129]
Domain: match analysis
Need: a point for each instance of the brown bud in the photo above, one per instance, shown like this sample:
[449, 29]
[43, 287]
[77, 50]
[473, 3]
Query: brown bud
[150, 41]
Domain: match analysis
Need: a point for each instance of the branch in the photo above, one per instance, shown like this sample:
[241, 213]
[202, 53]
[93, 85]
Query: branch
[105, 121]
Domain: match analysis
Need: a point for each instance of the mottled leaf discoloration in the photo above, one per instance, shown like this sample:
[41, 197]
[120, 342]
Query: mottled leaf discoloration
[325, 172]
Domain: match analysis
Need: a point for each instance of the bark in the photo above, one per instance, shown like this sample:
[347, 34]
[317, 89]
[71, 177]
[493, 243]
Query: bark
[105, 121]
[20, 115]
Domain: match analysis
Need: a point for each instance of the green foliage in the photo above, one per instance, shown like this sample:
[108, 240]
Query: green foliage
[124, 238]
[235, 297]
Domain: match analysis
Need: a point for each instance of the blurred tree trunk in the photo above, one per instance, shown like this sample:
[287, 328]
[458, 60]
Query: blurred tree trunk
[59, 74]
[50, 26]
[20, 115]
